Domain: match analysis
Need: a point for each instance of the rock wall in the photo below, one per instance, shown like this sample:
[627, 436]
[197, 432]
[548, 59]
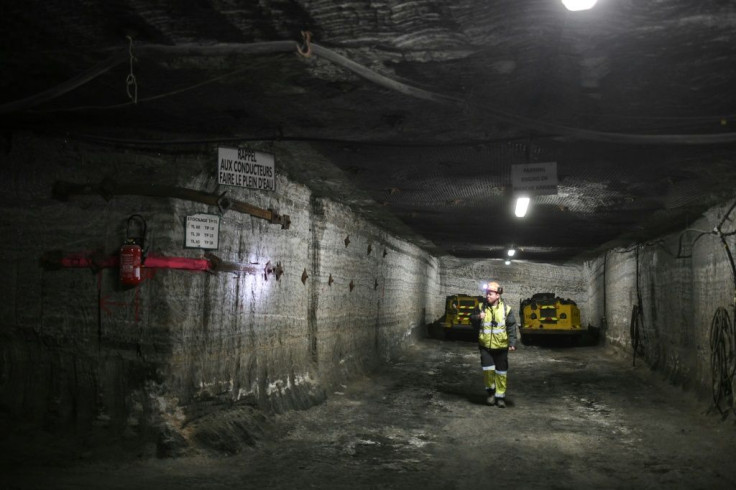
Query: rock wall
[668, 290]
[193, 358]
[188, 356]
[374, 281]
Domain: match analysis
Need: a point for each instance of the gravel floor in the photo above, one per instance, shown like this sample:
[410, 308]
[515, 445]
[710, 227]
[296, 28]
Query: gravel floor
[577, 417]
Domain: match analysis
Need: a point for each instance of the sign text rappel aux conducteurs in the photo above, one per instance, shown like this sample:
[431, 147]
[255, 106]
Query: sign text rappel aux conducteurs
[246, 168]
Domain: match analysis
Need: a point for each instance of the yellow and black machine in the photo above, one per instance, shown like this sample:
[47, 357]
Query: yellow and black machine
[545, 314]
[458, 308]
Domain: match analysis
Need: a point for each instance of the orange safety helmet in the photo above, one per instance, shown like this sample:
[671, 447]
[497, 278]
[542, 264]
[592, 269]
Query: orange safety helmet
[493, 286]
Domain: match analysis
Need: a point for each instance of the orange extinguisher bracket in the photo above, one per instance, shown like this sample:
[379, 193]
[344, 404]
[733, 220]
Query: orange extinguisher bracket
[131, 253]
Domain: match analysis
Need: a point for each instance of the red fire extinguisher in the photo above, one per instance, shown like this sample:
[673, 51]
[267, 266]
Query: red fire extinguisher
[131, 254]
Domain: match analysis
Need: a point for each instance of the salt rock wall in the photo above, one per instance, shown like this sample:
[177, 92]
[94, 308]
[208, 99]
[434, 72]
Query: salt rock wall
[188, 357]
[364, 287]
[658, 300]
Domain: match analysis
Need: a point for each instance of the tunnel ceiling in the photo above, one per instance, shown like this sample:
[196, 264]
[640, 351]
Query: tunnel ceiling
[412, 112]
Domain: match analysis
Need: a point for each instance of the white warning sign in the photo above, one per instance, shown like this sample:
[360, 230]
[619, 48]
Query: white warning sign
[246, 168]
[202, 231]
[534, 179]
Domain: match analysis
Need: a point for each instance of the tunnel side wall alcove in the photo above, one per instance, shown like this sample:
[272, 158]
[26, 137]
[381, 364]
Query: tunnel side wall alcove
[188, 358]
[678, 282]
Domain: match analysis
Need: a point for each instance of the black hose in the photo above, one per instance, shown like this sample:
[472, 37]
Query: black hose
[723, 339]
[637, 317]
[635, 332]
[722, 360]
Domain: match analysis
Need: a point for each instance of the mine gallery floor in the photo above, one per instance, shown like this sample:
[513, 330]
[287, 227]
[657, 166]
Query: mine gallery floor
[577, 417]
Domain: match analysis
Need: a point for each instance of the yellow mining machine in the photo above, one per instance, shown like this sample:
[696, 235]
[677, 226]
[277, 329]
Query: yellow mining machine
[458, 308]
[545, 314]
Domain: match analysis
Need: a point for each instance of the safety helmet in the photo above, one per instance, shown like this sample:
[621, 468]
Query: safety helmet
[493, 286]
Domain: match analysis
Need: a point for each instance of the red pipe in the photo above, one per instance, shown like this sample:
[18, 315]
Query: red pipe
[153, 261]
[150, 262]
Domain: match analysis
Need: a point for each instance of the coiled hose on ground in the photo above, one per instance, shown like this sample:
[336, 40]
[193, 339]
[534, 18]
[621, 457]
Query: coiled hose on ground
[637, 321]
[722, 360]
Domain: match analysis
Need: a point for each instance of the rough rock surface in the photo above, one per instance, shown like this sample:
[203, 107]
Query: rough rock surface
[579, 417]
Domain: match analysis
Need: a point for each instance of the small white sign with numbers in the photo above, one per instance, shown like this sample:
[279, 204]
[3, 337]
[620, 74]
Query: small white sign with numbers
[203, 231]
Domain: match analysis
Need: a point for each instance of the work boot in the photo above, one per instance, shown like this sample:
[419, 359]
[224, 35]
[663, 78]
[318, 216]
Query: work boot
[491, 400]
[501, 403]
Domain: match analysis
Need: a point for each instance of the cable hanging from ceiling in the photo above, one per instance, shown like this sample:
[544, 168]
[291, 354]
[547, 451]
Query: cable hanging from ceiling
[272, 47]
[722, 334]
[131, 85]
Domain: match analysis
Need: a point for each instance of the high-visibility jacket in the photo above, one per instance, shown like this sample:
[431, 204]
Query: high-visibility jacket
[498, 327]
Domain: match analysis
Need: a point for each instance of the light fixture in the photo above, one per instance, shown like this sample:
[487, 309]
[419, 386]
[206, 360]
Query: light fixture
[508, 262]
[577, 5]
[510, 252]
[522, 204]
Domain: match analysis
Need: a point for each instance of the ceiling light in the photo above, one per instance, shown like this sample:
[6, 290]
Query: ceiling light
[576, 5]
[522, 204]
[511, 252]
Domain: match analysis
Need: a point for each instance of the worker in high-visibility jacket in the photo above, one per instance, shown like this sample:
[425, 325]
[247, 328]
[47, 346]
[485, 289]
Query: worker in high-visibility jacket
[496, 337]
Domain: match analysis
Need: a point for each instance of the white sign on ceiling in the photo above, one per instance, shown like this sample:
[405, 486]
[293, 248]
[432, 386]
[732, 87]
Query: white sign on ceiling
[246, 168]
[534, 179]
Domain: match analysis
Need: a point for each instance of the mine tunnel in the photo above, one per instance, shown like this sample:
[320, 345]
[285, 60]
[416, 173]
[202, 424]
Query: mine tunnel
[392, 244]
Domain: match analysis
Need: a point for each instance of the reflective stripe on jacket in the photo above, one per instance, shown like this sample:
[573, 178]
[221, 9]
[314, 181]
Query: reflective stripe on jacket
[497, 327]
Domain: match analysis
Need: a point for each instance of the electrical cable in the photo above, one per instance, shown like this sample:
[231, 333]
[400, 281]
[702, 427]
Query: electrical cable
[701, 234]
[722, 360]
[372, 76]
[635, 327]
[722, 332]
[215, 139]
[65, 87]
[637, 318]
[723, 337]
[146, 99]
[725, 245]
[131, 84]
[382, 80]
[725, 217]
[652, 243]
[604, 320]
[127, 57]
